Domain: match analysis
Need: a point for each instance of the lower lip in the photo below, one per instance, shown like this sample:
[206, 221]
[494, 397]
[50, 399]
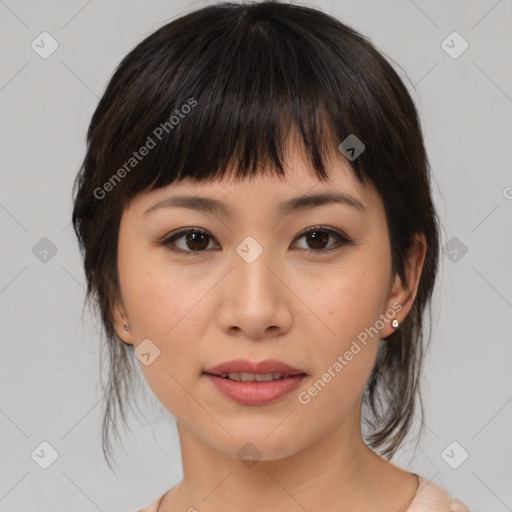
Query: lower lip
[256, 393]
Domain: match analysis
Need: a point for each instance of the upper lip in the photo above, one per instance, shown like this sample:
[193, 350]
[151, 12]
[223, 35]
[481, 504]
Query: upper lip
[244, 365]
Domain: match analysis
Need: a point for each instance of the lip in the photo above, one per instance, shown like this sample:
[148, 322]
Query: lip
[255, 393]
[244, 365]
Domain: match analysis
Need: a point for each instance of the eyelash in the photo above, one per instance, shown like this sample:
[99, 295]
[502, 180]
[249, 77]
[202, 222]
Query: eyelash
[176, 235]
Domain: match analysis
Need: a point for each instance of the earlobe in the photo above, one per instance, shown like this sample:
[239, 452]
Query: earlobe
[122, 324]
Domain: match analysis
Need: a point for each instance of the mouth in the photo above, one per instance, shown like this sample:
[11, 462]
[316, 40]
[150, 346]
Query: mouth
[255, 383]
[255, 389]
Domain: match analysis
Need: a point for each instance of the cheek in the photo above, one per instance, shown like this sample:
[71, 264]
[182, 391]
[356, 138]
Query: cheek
[349, 305]
[352, 296]
[164, 304]
[156, 293]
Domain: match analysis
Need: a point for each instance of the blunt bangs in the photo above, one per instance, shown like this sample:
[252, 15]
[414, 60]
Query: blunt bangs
[229, 95]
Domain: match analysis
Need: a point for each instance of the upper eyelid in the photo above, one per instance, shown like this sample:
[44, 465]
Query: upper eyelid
[177, 234]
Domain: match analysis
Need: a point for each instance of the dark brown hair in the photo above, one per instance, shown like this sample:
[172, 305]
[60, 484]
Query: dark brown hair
[247, 72]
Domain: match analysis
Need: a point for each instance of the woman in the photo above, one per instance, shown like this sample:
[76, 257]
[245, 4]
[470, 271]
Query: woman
[255, 216]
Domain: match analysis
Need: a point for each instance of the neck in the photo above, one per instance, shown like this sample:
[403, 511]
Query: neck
[337, 471]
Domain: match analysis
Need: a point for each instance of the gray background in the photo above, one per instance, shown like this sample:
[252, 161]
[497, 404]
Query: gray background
[50, 366]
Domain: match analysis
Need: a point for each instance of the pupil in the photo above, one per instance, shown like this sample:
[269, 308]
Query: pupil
[322, 239]
[194, 237]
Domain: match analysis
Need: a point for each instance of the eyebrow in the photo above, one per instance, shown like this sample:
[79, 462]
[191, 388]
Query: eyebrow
[214, 206]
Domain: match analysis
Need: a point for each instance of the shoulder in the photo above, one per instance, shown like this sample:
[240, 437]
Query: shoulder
[431, 497]
[152, 507]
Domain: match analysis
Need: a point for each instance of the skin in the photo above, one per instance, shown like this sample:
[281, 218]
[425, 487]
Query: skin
[300, 308]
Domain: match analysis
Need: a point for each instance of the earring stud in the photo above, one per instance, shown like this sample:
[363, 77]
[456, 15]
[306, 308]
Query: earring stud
[395, 323]
[126, 328]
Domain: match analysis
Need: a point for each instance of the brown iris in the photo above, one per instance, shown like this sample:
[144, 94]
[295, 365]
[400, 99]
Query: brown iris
[197, 238]
[319, 237]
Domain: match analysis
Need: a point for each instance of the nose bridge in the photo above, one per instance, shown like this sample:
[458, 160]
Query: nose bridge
[252, 260]
[254, 298]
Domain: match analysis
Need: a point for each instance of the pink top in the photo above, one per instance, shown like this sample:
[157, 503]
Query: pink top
[430, 497]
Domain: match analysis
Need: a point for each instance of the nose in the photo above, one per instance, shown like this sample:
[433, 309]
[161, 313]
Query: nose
[256, 297]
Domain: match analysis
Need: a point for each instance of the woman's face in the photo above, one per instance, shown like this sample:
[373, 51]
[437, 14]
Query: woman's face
[251, 290]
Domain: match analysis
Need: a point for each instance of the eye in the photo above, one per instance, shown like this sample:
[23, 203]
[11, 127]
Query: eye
[319, 236]
[196, 240]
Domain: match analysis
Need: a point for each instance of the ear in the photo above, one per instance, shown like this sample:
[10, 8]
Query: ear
[405, 293]
[120, 320]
